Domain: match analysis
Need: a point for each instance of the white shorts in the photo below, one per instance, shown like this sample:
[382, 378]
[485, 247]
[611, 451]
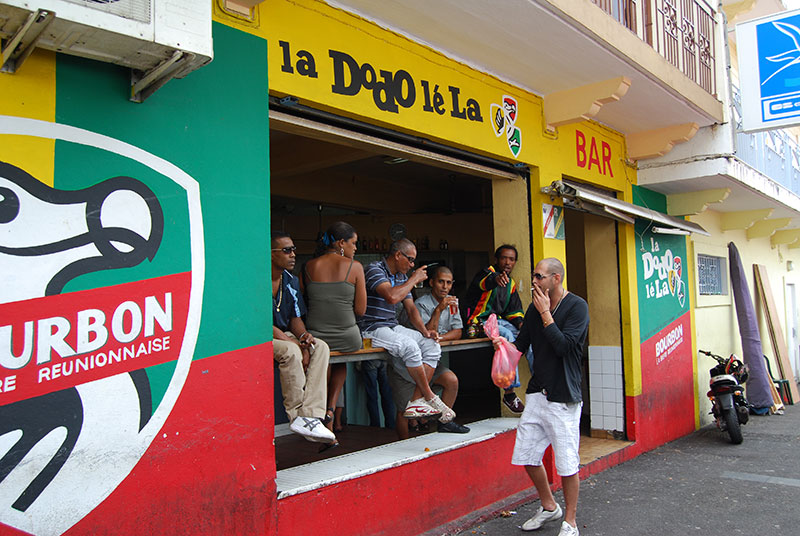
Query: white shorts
[546, 423]
[411, 346]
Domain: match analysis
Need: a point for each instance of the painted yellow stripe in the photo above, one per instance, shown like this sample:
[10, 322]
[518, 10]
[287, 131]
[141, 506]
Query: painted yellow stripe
[30, 92]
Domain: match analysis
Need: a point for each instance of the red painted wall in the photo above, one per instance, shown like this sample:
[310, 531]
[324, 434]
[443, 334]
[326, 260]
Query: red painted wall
[409, 499]
[665, 409]
[211, 470]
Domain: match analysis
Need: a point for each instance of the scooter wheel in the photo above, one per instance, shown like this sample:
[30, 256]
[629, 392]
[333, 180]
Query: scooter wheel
[732, 424]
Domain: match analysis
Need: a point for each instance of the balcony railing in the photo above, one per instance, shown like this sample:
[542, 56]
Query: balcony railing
[773, 152]
[682, 31]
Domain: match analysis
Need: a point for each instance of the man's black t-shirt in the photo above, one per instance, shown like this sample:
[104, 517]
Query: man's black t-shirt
[557, 349]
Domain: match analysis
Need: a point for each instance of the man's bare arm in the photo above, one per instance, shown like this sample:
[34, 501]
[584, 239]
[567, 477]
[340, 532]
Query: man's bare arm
[394, 295]
[416, 320]
[452, 335]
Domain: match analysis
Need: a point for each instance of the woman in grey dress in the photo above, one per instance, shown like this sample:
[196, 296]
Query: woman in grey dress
[337, 293]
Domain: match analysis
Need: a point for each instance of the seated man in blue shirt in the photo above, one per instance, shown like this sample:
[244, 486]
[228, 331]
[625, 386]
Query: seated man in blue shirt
[302, 360]
[416, 349]
[438, 311]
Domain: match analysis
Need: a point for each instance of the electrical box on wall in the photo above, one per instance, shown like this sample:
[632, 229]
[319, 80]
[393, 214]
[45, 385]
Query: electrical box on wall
[158, 39]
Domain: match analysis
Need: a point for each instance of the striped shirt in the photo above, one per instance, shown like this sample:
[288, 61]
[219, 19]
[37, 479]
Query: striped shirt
[379, 313]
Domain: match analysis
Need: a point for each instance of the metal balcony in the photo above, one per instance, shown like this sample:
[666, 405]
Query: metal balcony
[773, 152]
[680, 30]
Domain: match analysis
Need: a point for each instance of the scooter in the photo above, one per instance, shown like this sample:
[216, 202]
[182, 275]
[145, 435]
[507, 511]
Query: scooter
[728, 404]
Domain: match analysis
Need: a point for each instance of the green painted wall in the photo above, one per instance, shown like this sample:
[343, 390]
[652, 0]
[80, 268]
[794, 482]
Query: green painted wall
[213, 124]
[661, 266]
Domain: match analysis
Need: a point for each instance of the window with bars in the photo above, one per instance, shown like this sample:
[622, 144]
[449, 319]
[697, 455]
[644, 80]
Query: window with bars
[712, 275]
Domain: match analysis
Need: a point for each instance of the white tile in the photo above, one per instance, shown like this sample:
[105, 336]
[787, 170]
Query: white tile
[620, 410]
[618, 381]
[608, 394]
[595, 366]
[620, 424]
[597, 420]
[595, 393]
[595, 380]
[617, 366]
[609, 368]
[609, 422]
[618, 396]
[609, 409]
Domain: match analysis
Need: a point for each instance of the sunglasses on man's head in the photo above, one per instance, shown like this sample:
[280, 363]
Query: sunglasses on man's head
[287, 249]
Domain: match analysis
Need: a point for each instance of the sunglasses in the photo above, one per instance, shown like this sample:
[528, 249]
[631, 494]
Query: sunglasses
[539, 277]
[288, 249]
[410, 259]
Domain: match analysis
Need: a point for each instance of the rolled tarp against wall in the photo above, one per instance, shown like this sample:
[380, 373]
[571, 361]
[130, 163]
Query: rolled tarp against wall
[759, 393]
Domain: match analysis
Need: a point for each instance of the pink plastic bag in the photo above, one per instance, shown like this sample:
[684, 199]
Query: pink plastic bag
[504, 365]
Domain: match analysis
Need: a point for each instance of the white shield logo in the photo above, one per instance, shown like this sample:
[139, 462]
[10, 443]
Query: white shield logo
[76, 412]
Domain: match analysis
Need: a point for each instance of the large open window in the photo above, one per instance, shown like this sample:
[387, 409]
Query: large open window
[321, 174]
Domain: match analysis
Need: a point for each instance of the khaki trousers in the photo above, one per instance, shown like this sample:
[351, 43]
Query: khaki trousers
[304, 393]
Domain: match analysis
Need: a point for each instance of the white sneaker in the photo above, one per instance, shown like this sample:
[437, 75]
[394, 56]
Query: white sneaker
[568, 530]
[312, 429]
[447, 413]
[543, 516]
[419, 409]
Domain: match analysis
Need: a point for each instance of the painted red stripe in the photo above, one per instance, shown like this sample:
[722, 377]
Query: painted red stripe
[211, 468]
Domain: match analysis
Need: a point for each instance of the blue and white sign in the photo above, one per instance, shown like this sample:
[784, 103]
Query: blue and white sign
[769, 71]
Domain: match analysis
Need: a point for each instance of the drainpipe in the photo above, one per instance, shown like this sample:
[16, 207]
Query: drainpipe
[728, 70]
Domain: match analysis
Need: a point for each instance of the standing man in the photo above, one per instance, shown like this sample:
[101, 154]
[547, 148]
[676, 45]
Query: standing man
[302, 360]
[555, 326]
[435, 312]
[416, 350]
[494, 291]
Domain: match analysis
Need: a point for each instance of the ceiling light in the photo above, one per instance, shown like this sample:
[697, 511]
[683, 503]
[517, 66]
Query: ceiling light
[670, 230]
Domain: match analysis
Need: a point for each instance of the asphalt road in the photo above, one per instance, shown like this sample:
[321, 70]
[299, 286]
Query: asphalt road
[699, 484]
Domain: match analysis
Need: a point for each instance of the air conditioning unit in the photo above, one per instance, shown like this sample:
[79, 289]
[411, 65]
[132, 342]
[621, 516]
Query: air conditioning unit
[158, 39]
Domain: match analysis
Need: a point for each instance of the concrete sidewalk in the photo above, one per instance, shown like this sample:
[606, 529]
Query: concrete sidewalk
[700, 484]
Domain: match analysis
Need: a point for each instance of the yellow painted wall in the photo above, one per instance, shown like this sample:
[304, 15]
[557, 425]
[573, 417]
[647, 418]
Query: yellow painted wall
[510, 227]
[559, 159]
[601, 277]
[716, 323]
[312, 32]
[31, 92]
[586, 151]
[510, 210]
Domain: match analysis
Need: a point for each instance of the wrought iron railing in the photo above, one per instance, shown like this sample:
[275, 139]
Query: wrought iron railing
[772, 152]
[682, 31]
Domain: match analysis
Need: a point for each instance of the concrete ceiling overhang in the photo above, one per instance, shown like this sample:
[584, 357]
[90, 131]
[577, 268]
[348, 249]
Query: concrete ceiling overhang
[751, 198]
[552, 46]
